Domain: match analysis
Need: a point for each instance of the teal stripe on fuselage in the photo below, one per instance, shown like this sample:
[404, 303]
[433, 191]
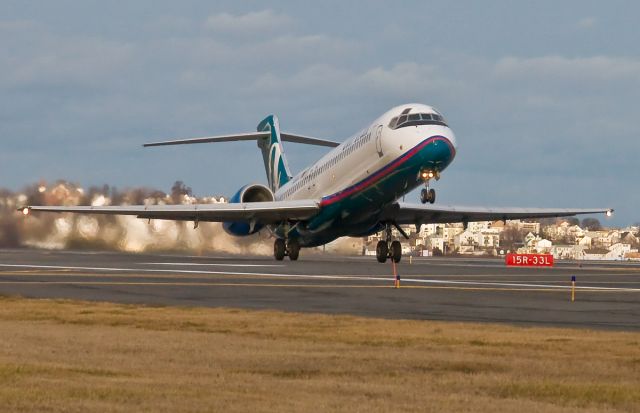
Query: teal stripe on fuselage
[355, 211]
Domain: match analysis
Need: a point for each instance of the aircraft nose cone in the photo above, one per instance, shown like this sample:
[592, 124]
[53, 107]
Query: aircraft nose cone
[438, 152]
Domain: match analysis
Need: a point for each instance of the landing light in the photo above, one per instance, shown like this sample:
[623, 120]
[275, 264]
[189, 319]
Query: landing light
[609, 213]
[25, 211]
[427, 174]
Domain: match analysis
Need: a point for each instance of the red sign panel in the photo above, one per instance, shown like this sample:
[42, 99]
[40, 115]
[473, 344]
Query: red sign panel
[529, 260]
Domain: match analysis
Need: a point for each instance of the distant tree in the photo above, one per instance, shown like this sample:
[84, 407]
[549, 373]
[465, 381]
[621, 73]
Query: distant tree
[178, 190]
[591, 224]
[436, 252]
[116, 196]
[549, 232]
[546, 221]
[511, 236]
[9, 233]
[34, 196]
[573, 221]
[137, 196]
[566, 240]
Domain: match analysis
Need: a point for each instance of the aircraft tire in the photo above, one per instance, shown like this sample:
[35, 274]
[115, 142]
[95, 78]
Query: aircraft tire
[396, 251]
[294, 250]
[279, 250]
[424, 196]
[432, 196]
[382, 251]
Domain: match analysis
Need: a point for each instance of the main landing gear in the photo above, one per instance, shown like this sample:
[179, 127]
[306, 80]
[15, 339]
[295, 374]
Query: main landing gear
[388, 249]
[281, 249]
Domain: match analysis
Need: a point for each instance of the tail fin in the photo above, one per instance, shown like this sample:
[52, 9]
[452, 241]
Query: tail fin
[275, 163]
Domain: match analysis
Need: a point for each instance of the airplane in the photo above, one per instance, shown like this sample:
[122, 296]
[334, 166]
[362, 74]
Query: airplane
[354, 190]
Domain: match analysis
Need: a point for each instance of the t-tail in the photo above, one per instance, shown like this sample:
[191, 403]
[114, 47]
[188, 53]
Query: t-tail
[275, 163]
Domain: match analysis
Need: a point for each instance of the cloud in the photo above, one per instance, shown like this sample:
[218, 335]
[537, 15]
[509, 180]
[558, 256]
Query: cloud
[399, 80]
[582, 69]
[52, 59]
[249, 23]
[587, 23]
[284, 60]
[17, 25]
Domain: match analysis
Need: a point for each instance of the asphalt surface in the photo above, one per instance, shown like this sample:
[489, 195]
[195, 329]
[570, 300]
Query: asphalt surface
[484, 290]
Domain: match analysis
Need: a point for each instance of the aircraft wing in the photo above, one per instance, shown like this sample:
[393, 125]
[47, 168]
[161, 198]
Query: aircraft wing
[262, 212]
[405, 213]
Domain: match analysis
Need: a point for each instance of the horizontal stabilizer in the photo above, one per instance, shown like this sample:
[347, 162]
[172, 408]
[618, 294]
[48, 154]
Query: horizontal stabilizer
[288, 137]
[308, 140]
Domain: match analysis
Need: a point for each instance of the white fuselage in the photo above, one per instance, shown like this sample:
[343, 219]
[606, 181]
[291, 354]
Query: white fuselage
[360, 156]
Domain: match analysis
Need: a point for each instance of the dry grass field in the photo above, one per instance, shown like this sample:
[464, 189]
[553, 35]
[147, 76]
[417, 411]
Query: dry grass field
[67, 356]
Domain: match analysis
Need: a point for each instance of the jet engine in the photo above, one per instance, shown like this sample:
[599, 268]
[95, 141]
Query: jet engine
[248, 193]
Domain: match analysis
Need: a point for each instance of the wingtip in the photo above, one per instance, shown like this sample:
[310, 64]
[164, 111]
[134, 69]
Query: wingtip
[24, 210]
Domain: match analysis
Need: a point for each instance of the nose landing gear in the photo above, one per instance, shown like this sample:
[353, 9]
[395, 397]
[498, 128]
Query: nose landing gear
[428, 194]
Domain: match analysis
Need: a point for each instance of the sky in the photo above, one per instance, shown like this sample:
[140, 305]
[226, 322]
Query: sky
[542, 96]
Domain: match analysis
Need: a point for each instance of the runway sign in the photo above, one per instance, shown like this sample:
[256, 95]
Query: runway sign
[529, 260]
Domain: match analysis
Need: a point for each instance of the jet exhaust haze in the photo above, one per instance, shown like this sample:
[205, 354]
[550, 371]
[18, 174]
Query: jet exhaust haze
[124, 233]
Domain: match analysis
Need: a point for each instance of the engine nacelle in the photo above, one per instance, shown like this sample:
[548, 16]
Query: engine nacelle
[248, 193]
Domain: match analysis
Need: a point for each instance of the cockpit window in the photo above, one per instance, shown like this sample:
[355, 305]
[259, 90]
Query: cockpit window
[416, 119]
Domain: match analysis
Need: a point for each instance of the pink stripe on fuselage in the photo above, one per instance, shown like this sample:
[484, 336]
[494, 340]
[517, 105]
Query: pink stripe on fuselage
[384, 171]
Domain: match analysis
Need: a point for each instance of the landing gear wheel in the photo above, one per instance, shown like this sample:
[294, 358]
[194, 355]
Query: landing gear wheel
[294, 250]
[279, 249]
[396, 251]
[382, 251]
[424, 196]
[428, 195]
[432, 196]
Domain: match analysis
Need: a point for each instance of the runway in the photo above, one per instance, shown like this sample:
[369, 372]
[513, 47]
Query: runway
[484, 290]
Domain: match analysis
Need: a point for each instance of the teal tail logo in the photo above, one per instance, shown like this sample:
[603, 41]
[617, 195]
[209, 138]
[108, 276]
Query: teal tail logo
[275, 163]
